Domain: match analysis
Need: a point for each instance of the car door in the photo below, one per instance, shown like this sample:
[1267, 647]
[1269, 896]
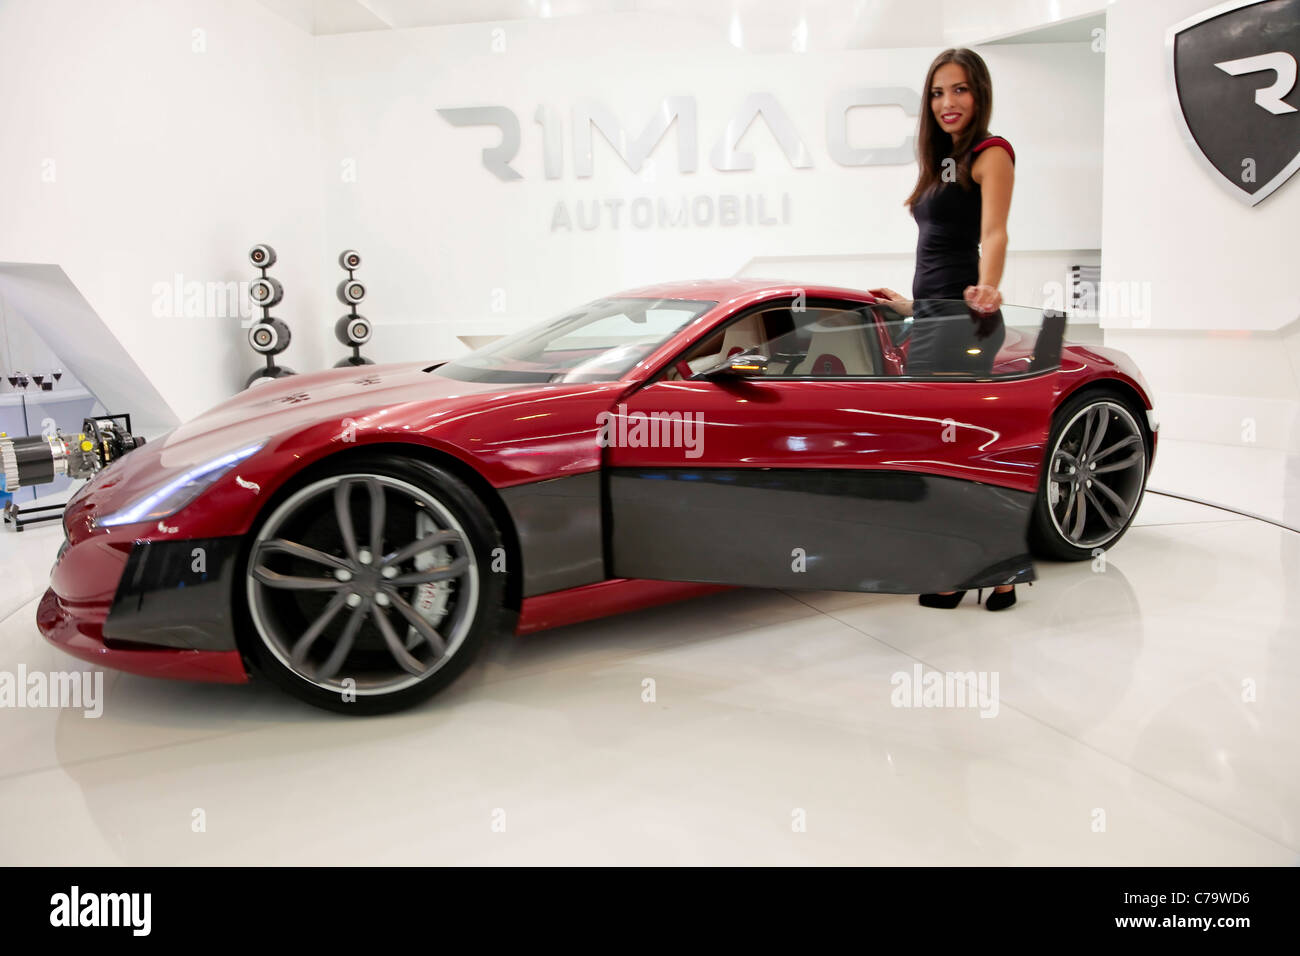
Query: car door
[874, 452]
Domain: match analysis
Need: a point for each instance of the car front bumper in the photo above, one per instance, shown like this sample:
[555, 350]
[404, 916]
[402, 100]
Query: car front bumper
[158, 608]
[79, 632]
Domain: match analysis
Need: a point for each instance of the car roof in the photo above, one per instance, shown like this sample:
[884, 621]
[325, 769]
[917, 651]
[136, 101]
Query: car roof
[723, 290]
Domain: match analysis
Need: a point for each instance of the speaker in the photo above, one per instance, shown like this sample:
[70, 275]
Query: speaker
[261, 255]
[268, 374]
[269, 337]
[351, 291]
[265, 292]
[352, 329]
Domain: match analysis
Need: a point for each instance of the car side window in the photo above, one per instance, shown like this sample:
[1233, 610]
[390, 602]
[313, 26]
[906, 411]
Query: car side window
[818, 341]
[897, 326]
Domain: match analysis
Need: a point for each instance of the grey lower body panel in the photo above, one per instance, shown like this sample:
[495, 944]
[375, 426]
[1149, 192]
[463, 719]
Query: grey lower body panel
[176, 594]
[560, 530]
[880, 531]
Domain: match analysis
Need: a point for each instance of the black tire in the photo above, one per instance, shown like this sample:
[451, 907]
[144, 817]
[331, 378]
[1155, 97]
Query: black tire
[283, 593]
[1052, 529]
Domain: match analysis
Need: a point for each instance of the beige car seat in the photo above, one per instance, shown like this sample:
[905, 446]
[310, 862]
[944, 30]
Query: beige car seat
[838, 346]
[740, 336]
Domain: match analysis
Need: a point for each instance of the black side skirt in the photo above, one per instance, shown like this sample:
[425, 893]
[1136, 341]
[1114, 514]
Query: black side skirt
[881, 531]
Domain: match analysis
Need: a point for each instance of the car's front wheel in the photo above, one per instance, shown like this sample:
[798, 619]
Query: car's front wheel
[369, 585]
[1093, 479]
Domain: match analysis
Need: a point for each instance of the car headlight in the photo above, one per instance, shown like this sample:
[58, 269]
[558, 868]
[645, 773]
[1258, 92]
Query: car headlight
[170, 498]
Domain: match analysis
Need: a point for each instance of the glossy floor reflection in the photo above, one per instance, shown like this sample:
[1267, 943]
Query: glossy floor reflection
[1253, 479]
[1148, 713]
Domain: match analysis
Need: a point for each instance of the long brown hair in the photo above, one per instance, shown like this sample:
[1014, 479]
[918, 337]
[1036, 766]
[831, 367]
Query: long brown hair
[933, 145]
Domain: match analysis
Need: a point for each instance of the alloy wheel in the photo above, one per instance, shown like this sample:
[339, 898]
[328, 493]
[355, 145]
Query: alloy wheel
[1096, 474]
[363, 583]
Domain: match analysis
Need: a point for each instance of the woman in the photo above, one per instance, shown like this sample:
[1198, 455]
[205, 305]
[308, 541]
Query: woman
[960, 203]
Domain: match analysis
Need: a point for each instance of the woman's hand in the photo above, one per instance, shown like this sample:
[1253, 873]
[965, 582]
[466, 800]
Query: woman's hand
[983, 298]
[896, 302]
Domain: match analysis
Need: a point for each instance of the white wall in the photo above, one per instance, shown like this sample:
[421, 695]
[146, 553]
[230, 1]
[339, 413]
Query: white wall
[966, 23]
[1035, 278]
[154, 139]
[451, 249]
[131, 156]
[1212, 261]
[1221, 345]
[62, 329]
[170, 161]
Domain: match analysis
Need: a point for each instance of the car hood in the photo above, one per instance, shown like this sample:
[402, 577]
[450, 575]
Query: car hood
[514, 432]
[337, 395]
[259, 414]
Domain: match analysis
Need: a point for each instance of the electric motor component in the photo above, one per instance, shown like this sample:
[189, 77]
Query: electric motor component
[39, 459]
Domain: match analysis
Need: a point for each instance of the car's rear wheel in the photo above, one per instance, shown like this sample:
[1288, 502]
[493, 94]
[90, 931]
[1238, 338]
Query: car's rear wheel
[369, 584]
[1094, 477]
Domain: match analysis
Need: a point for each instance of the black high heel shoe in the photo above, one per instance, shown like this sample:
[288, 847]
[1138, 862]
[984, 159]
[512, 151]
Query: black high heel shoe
[945, 601]
[1001, 600]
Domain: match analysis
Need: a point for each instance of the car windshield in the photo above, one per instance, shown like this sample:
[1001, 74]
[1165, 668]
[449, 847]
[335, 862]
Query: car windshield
[598, 342]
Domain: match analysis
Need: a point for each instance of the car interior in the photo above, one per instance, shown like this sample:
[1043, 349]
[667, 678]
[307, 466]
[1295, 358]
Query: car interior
[817, 341]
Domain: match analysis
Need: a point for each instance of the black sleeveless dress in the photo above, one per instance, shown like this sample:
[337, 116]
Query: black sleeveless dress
[949, 338]
[948, 236]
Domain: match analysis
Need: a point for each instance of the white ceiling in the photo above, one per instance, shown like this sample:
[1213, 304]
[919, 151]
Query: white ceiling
[1069, 31]
[758, 26]
[754, 25]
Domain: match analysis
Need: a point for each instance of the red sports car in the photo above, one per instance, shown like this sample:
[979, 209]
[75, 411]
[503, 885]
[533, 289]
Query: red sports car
[355, 535]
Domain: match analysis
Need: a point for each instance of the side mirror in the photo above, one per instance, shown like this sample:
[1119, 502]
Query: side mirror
[740, 365]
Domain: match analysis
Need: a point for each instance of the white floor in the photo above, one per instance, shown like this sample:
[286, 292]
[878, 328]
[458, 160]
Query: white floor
[1248, 478]
[1121, 703]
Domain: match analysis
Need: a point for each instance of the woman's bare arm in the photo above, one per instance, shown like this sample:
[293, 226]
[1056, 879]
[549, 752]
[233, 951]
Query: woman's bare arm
[995, 173]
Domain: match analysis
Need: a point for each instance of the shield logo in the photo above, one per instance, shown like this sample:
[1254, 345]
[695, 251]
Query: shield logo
[1233, 74]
